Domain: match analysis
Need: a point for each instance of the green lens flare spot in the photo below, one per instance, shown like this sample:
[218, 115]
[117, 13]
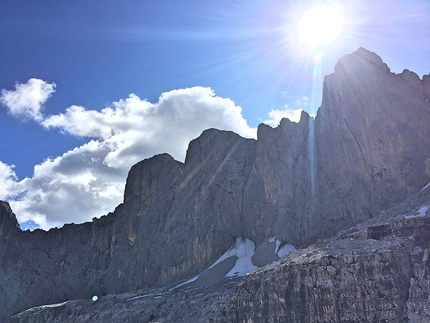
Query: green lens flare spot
[95, 298]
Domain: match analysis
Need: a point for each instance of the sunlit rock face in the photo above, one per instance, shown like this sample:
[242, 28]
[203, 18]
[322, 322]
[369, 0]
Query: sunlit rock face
[372, 135]
[366, 149]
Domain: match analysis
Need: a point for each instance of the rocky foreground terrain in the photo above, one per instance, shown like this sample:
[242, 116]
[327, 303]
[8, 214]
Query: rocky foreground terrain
[367, 151]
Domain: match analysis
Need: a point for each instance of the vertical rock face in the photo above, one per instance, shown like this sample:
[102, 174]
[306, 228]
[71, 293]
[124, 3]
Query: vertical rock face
[10, 254]
[8, 224]
[374, 272]
[372, 135]
[329, 290]
[366, 149]
[285, 164]
[377, 271]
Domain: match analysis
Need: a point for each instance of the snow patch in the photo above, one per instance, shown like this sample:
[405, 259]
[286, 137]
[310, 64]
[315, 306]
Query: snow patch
[421, 213]
[275, 240]
[285, 250]
[156, 296]
[52, 305]
[428, 185]
[281, 252]
[186, 283]
[138, 297]
[243, 249]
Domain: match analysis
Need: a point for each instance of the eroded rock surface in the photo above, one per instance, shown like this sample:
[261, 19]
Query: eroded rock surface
[377, 271]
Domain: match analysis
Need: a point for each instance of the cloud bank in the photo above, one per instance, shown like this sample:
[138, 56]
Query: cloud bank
[89, 180]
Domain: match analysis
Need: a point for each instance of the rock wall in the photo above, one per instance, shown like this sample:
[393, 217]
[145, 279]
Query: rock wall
[375, 272]
[10, 256]
[366, 149]
[377, 123]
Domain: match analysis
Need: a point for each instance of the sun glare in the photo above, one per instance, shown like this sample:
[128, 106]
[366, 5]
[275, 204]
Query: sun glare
[320, 25]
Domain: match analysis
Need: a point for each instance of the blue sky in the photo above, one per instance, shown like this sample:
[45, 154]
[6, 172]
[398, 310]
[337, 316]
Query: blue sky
[223, 64]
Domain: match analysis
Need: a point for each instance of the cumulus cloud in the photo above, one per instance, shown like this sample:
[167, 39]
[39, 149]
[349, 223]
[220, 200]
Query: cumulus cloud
[8, 180]
[275, 116]
[27, 99]
[89, 180]
[134, 128]
[74, 187]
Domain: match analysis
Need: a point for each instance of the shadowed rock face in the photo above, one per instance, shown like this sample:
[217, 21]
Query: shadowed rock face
[367, 149]
[377, 271]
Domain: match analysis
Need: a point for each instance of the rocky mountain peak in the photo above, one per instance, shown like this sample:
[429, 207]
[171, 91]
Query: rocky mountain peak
[8, 221]
[150, 177]
[361, 62]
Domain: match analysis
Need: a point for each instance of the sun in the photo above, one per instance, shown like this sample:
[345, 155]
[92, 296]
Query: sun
[320, 25]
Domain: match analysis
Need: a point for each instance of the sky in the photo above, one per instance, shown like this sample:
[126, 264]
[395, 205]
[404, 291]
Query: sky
[89, 88]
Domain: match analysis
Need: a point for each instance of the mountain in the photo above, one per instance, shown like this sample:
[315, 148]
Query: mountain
[365, 151]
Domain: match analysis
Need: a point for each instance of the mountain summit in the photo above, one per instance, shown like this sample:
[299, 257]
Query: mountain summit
[366, 150]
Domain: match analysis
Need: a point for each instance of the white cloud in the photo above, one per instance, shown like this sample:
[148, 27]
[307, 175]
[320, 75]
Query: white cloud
[28, 98]
[292, 114]
[133, 128]
[8, 181]
[303, 101]
[277, 115]
[89, 180]
[74, 187]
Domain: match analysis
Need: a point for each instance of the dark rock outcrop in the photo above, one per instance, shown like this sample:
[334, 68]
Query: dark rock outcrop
[10, 259]
[366, 150]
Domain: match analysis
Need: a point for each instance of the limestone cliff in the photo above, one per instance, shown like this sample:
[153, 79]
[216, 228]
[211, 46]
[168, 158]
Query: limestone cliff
[366, 150]
[377, 271]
